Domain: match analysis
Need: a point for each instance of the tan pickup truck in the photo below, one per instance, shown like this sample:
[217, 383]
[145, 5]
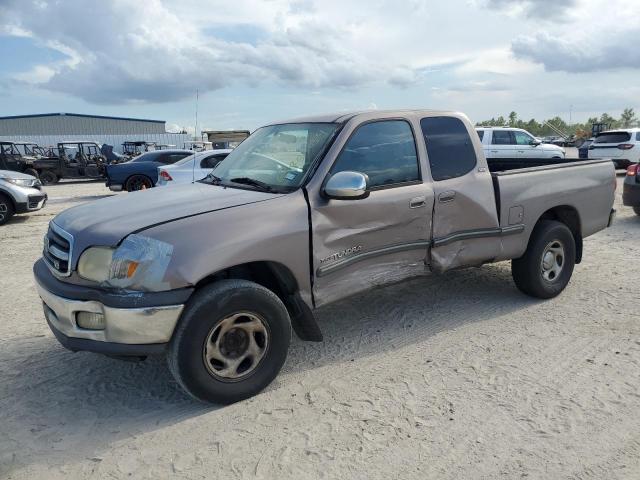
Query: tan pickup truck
[216, 274]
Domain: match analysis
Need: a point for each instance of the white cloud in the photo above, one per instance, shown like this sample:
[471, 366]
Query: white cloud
[483, 55]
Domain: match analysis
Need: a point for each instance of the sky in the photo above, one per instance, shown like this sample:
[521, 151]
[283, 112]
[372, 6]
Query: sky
[257, 61]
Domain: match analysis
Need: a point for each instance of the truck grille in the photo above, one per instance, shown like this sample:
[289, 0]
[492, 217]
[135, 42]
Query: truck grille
[58, 247]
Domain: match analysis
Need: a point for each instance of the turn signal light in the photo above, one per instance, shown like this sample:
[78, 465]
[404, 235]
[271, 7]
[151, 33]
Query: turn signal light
[625, 146]
[165, 175]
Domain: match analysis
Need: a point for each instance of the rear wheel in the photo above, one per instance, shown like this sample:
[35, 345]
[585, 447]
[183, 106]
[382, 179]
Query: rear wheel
[6, 209]
[138, 182]
[47, 177]
[231, 342]
[546, 267]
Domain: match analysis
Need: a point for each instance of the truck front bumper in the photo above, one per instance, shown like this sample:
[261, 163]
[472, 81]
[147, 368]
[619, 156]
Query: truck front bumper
[135, 330]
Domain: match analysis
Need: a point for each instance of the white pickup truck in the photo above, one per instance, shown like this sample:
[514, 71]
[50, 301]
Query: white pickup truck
[507, 142]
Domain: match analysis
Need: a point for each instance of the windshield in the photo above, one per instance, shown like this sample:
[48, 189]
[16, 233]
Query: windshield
[278, 155]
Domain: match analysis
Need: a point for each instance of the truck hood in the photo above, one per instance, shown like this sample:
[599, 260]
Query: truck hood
[107, 221]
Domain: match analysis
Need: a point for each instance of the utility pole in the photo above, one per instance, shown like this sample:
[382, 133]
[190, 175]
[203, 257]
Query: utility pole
[196, 131]
[570, 112]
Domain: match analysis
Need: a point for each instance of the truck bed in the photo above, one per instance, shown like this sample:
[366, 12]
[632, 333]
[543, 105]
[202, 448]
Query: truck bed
[525, 189]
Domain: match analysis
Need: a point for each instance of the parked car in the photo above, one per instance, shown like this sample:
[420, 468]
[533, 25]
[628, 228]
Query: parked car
[583, 149]
[141, 172]
[621, 146]
[302, 214]
[506, 142]
[631, 188]
[192, 168]
[19, 193]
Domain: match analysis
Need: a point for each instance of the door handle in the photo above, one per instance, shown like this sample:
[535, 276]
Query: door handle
[447, 196]
[418, 202]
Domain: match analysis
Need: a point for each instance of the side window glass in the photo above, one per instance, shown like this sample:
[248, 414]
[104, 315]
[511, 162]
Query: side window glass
[449, 146]
[385, 151]
[522, 138]
[211, 161]
[501, 137]
[480, 134]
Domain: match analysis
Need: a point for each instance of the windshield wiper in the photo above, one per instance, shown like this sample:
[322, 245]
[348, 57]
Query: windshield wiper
[212, 179]
[253, 182]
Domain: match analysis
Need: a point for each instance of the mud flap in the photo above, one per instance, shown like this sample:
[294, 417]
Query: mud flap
[303, 320]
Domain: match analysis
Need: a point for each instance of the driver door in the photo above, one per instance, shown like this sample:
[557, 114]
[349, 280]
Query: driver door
[383, 238]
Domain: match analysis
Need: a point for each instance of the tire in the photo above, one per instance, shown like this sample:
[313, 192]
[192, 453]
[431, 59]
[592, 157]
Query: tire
[47, 177]
[6, 209]
[196, 347]
[137, 182]
[556, 158]
[32, 172]
[636, 210]
[539, 272]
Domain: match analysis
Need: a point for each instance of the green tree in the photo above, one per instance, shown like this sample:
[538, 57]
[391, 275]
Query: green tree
[628, 118]
[513, 119]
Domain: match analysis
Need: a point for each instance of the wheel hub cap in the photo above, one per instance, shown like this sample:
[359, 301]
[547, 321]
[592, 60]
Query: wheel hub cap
[552, 260]
[235, 346]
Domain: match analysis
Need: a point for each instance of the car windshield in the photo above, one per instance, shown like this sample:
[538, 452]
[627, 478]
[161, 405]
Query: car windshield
[276, 157]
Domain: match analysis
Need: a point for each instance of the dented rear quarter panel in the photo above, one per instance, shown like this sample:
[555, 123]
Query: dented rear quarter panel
[588, 187]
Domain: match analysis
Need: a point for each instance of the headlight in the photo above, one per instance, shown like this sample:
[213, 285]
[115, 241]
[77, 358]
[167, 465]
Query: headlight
[139, 263]
[95, 264]
[21, 182]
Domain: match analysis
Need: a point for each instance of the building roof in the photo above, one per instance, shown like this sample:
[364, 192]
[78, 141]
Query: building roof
[62, 114]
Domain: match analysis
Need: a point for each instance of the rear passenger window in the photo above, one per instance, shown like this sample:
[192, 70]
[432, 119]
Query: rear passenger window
[450, 150]
[501, 137]
[613, 137]
[480, 134]
[638, 136]
[385, 151]
[212, 160]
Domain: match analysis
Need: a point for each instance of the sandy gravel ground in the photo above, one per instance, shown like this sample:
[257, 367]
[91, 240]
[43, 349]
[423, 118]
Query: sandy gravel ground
[445, 377]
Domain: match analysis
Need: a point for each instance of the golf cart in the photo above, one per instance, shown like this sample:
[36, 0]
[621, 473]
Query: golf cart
[132, 149]
[78, 159]
[198, 146]
[23, 157]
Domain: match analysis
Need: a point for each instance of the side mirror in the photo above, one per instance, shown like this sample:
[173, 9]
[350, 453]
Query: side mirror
[535, 143]
[347, 186]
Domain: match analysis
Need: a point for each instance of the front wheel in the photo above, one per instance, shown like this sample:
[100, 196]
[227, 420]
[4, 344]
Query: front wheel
[231, 342]
[636, 210]
[546, 267]
[32, 172]
[47, 177]
[6, 209]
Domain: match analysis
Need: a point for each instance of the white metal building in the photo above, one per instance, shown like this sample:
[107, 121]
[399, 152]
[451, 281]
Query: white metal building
[77, 124]
[50, 128]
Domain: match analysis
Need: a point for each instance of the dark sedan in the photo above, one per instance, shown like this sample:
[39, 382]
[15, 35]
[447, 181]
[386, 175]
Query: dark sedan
[631, 188]
[142, 171]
